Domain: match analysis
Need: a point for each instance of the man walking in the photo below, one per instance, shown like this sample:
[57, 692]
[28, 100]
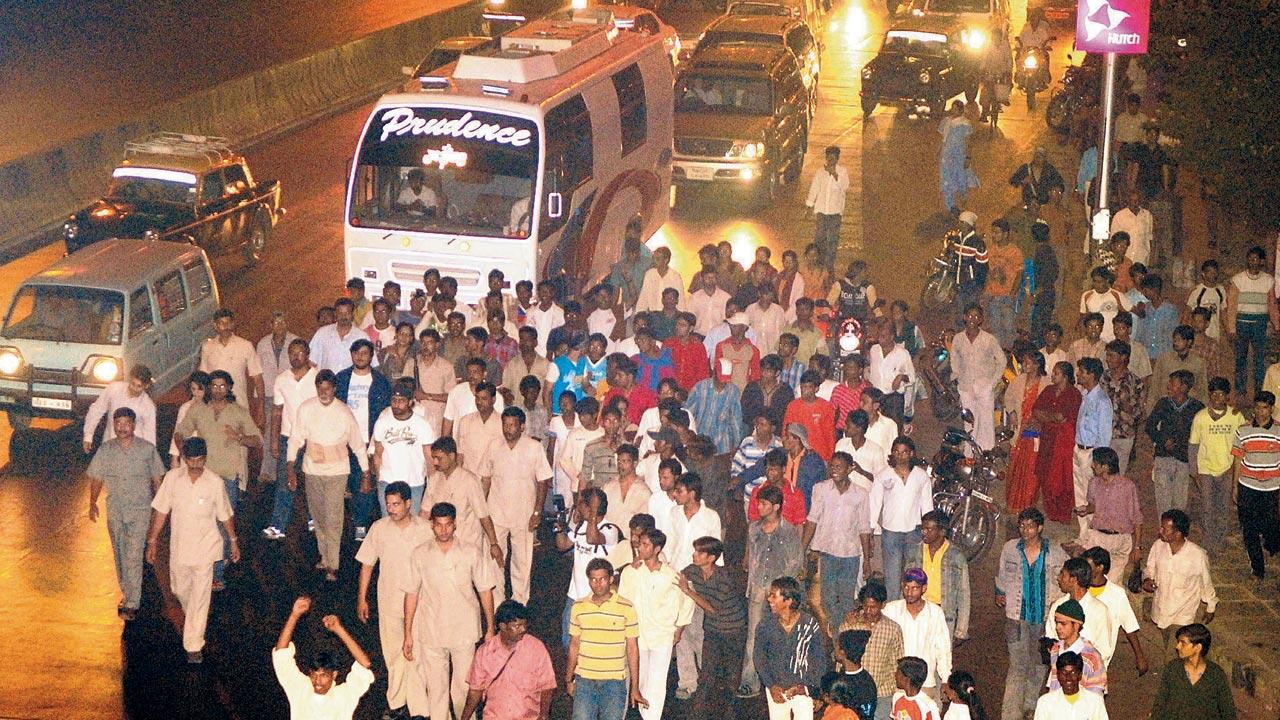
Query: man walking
[273, 356]
[511, 672]
[1213, 432]
[603, 650]
[291, 388]
[450, 585]
[131, 394]
[978, 363]
[884, 646]
[367, 393]
[1257, 482]
[1177, 571]
[791, 653]
[131, 470]
[773, 550]
[724, 624]
[924, 629]
[453, 484]
[1250, 309]
[197, 499]
[1094, 426]
[517, 476]
[947, 571]
[1116, 598]
[1128, 396]
[826, 201]
[401, 446]
[1169, 428]
[1074, 579]
[236, 356]
[390, 545]
[663, 612]
[837, 535]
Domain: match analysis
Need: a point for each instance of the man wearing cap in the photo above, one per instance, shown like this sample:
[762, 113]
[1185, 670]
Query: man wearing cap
[971, 274]
[716, 404]
[924, 629]
[743, 357]
[1068, 619]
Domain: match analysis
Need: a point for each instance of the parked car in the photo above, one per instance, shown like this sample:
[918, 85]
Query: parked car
[82, 323]
[922, 62]
[742, 119]
[789, 33]
[690, 18]
[979, 19]
[187, 188]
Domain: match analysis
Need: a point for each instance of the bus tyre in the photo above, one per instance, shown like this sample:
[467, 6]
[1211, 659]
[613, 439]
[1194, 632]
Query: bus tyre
[256, 242]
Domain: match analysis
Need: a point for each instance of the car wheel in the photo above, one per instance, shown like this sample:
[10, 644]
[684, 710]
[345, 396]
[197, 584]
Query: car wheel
[255, 244]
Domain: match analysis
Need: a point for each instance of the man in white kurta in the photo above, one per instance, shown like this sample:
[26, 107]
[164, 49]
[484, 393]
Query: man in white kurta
[978, 363]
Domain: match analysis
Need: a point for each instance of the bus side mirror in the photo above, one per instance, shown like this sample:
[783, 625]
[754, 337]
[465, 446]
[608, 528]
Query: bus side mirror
[555, 205]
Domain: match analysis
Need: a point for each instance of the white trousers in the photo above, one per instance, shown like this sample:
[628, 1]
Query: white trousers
[192, 585]
[982, 403]
[1120, 546]
[689, 654]
[443, 690]
[404, 677]
[655, 663]
[799, 707]
[521, 553]
[1081, 474]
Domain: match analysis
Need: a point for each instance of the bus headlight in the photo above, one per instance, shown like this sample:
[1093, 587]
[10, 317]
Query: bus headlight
[10, 361]
[70, 229]
[1030, 62]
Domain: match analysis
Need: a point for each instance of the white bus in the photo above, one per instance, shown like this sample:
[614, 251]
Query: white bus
[531, 157]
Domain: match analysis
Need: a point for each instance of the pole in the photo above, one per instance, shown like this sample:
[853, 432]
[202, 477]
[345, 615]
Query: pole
[1102, 219]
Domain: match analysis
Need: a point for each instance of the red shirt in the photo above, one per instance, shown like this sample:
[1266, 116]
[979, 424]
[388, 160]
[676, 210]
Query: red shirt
[817, 417]
[793, 507]
[639, 399]
[846, 400]
[690, 358]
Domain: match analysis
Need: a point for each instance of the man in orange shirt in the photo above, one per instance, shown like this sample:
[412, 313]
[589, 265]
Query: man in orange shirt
[1004, 281]
[817, 416]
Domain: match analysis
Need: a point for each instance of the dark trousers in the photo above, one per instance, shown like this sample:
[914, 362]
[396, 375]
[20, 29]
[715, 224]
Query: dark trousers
[362, 503]
[1251, 332]
[826, 235]
[1042, 315]
[1260, 525]
[718, 676]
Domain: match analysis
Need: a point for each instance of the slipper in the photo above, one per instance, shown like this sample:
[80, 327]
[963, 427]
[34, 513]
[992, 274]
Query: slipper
[330, 576]
[219, 585]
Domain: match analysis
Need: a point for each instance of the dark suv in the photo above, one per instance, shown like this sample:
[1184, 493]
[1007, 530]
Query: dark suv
[789, 32]
[742, 119]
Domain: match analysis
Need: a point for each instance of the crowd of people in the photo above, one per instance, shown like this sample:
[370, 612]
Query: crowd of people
[636, 425]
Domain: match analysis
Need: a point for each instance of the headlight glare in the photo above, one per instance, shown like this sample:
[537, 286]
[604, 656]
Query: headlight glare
[10, 361]
[1030, 62]
[106, 370]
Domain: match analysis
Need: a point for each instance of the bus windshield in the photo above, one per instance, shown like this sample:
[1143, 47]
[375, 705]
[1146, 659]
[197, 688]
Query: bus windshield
[446, 170]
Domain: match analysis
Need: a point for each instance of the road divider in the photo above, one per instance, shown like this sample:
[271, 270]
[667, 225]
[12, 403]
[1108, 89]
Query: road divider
[39, 190]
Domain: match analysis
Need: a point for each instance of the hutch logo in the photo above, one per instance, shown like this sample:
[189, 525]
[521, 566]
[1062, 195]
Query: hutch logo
[1118, 26]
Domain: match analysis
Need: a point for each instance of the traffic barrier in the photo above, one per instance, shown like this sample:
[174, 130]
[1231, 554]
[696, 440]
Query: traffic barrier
[39, 190]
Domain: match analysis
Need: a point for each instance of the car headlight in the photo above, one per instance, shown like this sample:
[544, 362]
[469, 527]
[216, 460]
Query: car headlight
[105, 369]
[924, 76]
[70, 229]
[10, 361]
[975, 38]
[1030, 62]
[746, 149]
[150, 234]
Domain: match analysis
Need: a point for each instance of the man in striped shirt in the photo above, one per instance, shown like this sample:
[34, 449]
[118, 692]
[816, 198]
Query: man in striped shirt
[1257, 480]
[603, 649]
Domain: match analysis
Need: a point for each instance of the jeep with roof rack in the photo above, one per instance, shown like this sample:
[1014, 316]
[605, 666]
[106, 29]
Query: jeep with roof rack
[185, 188]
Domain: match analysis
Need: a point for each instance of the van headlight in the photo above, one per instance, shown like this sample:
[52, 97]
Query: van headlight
[101, 368]
[974, 38]
[745, 149]
[1030, 62]
[10, 361]
[150, 234]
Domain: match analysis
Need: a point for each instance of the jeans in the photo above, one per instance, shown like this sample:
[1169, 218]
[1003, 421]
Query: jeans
[839, 583]
[415, 496]
[233, 494]
[1001, 318]
[896, 547]
[1169, 480]
[1251, 332]
[826, 235]
[362, 503]
[282, 510]
[599, 699]
[1259, 524]
[1215, 509]
[756, 610]
[1026, 671]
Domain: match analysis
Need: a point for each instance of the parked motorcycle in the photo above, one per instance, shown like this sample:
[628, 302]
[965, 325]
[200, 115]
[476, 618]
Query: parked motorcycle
[963, 478]
[1079, 88]
[933, 366]
[1032, 72]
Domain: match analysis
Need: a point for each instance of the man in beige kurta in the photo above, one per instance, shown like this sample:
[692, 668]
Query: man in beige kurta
[517, 474]
[476, 431]
[435, 378]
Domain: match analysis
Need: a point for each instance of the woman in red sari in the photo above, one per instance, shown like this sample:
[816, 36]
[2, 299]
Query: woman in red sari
[1021, 482]
[1055, 413]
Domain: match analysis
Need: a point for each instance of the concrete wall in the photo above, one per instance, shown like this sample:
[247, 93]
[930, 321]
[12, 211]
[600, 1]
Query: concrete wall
[41, 189]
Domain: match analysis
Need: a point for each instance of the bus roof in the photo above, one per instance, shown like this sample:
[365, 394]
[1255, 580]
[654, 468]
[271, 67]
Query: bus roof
[535, 65]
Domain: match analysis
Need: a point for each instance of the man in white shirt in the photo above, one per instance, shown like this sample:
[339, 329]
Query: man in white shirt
[238, 357]
[867, 456]
[826, 200]
[1137, 221]
[461, 401]
[1177, 571]
[924, 629]
[657, 280]
[891, 371]
[517, 476]
[767, 319]
[978, 363]
[708, 303]
[1117, 601]
[131, 394]
[402, 446]
[1074, 579]
[545, 315]
[901, 495]
[273, 358]
[1070, 702]
[292, 387]
[331, 345]
[689, 520]
[316, 694]
[663, 610]
[881, 429]
[569, 462]
[416, 198]
[590, 536]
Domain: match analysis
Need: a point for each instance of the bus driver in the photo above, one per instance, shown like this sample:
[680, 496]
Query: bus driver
[416, 198]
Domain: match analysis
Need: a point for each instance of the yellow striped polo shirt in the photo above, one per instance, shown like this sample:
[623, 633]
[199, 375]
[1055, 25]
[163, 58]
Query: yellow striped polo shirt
[602, 631]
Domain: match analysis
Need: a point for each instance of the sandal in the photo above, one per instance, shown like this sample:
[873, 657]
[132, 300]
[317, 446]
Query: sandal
[219, 585]
[330, 576]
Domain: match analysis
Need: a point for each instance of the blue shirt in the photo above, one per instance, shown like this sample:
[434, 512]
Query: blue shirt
[1155, 332]
[791, 375]
[1033, 577]
[718, 412]
[1093, 425]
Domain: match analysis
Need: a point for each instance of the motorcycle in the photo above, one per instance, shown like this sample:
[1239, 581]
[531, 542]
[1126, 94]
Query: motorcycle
[940, 284]
[1032, 72]
[934, 368]
[963, 477]
[1079, 89]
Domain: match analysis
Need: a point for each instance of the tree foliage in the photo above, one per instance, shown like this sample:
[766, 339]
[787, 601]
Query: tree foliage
[1219, 62]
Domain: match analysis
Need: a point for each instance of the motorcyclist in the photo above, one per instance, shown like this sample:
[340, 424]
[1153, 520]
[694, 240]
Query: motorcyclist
[1035, 38]
[971, 270]
[854, 296]
[997, 69]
